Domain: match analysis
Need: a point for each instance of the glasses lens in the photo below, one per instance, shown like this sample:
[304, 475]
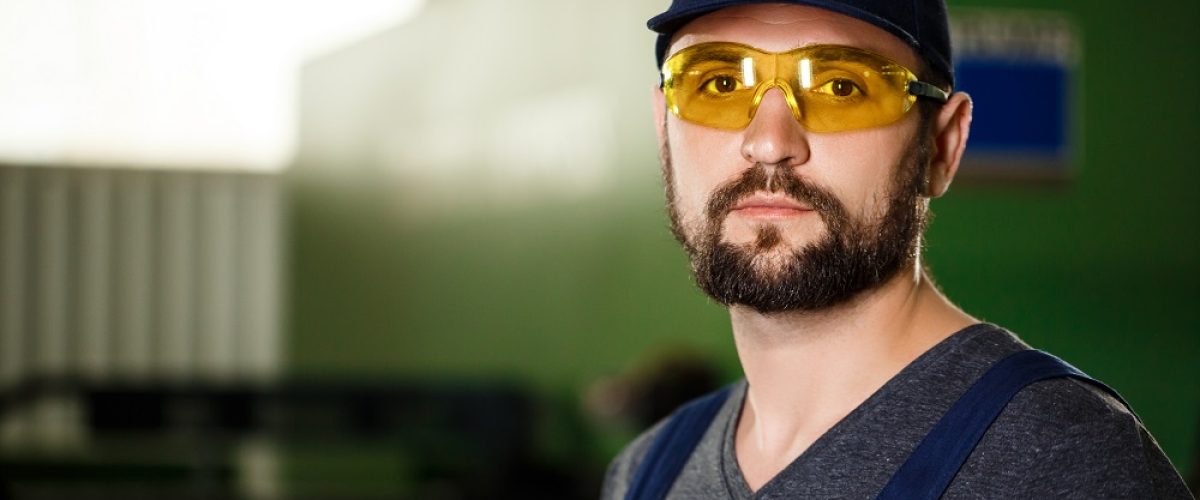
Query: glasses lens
[832, 88]
[713, 84]
[842, 88]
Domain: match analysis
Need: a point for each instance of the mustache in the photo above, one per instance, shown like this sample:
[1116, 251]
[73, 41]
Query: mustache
[775, 179]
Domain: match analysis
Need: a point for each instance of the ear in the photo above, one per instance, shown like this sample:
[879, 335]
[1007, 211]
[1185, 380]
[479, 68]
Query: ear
[660, 112]
[953, 125]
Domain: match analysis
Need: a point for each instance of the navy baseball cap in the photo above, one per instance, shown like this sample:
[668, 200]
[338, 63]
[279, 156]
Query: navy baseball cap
[922, 24]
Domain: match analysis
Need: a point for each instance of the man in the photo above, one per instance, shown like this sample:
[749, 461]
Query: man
[801, 144]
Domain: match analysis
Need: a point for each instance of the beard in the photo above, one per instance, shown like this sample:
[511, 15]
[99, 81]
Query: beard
[853, 256]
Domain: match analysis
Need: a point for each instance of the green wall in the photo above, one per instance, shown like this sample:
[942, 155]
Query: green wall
[1105, 269]
[1102, 270]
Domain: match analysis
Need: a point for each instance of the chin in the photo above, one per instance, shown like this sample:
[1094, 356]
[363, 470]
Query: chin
[770, 264]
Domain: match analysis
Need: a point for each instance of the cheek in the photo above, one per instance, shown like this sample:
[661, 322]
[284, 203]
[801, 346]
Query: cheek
[866, 162]
[703, 158]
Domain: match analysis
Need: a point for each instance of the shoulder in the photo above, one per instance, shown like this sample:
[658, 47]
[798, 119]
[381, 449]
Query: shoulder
[623, 467]
[1069, 438]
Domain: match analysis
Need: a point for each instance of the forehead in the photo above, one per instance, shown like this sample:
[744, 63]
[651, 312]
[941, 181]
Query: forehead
[782, 27]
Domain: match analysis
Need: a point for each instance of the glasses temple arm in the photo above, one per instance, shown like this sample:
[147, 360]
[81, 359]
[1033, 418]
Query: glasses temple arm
[922, 89]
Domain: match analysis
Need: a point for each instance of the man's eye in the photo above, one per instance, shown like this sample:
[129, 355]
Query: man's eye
[839, 87]
[722, 84]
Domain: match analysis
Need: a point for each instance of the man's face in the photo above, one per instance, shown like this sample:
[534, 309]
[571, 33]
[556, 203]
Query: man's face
[777, 218]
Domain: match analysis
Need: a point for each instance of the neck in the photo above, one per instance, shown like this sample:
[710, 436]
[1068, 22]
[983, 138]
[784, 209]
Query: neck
[807, 370]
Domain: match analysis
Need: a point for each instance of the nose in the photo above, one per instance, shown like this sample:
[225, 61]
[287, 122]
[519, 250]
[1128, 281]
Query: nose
[774, 137]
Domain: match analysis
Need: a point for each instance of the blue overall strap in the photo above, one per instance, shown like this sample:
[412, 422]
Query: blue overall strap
[936, 460]
[673, 445]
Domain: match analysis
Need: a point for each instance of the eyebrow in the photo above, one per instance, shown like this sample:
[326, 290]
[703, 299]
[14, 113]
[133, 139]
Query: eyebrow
[729, 56]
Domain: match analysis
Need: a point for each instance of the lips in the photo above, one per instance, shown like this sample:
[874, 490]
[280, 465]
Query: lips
[770, 205]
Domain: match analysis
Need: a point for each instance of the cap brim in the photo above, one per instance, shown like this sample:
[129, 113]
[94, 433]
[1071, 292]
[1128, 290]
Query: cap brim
[673, 19]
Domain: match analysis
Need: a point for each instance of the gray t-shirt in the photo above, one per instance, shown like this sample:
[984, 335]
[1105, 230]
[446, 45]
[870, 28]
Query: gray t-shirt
[1060, 438]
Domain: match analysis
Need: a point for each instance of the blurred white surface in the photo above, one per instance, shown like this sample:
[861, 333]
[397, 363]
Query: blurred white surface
[166, 83]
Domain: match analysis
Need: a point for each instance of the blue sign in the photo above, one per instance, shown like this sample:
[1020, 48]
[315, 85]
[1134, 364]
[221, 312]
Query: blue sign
[1019, 68]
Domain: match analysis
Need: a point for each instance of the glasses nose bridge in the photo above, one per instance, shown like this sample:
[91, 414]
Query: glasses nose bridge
[789, 95]
[769, 67]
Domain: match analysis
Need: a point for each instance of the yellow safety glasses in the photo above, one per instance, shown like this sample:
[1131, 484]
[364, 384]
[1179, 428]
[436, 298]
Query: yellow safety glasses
[830, 88]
